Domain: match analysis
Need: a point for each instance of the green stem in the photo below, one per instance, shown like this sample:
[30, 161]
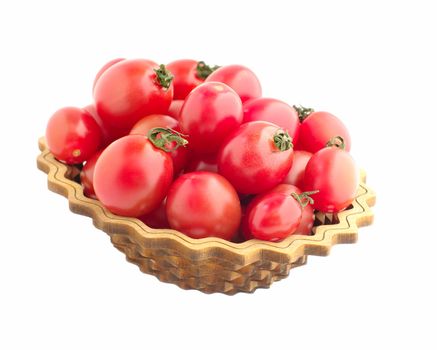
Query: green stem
[164, 138]
[163, 76]
[282, 140]
[303, 112]
[204, 71]
[336, 141]
[304, 198]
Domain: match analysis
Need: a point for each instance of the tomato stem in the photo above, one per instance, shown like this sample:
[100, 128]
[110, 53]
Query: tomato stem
[203, 70]
[304, 198]
[282, 140]
[166, 139]
[163, 76]
[336, 141]
[303, 112]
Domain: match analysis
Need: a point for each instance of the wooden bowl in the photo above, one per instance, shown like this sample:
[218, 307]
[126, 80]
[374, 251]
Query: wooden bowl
[209, 264]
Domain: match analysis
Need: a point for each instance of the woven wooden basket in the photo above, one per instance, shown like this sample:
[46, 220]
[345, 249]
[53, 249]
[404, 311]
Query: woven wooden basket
[209, 264]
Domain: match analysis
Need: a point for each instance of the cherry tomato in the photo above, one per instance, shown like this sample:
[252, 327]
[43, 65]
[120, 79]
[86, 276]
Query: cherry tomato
[203, 204]
[307, 220]
[130, 90]
[273, 216]
[104, 68]
[87, 174]
[239, 78]
[296, 174]
[73, 135]
[157, 218]
[210, 112]
[256, 157]
[273, 111]
[132, 176]
[175, 108]
[201, 163]
[332, 171]
[144, 125]
[108, 134]
[187, 75]
[318, 128]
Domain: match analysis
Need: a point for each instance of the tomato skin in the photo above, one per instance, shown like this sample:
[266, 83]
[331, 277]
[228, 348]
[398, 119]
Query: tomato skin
[297, 172]
[239, 78]
[144, 125]
[273, 216]
[157, 218]
[105, 68]
[108, 134]
[73, 135]
[210, 112]
[203, 204]
[201, 163]
[250, 160]
[128, 91]
[185, 77]
[132, 177]
[175, 108]
[318, 128]
[87, 175]
[307, 220]
[273, 111]
[333, 173]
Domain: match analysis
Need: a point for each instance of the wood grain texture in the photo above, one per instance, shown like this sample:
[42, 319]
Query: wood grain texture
[209, 264]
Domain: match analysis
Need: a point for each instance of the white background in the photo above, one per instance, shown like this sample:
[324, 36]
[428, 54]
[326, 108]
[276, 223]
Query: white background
[373, 64]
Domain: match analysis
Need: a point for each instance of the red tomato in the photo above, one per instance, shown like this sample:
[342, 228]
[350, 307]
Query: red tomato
[204, 163]
[331, 171]
[73, 135]
[307, 220]
[273, 216]
[187, 75]
[108, 134]
[256, 157]
[239, 78]
[296, 174]
[175, 108]
[210, 112]
[203, 204]
[130, 90]
[273, 111]
[157, 218]
[87, 174]
[144, 125]
[318, 128]
[104, 69]
[132, 176]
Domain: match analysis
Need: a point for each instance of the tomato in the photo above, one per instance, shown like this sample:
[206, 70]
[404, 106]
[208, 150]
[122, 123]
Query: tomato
[187, 75]
[307, 220]
[203, 204]
[210, 112]
[132, 176]
[273, 111]
[318, 128]
[296, 174]
[273, 216]
[256, 157]
[201, 163]
[332, 171]
[157, 218]
[175, 108]
[73, 135]
[239, 78]
[130, 90]
[87, 174]
[144, 125]
[108, 134]
[105, 68]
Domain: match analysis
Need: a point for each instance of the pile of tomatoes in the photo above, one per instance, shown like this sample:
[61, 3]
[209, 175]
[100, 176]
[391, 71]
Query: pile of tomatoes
[198, 149]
